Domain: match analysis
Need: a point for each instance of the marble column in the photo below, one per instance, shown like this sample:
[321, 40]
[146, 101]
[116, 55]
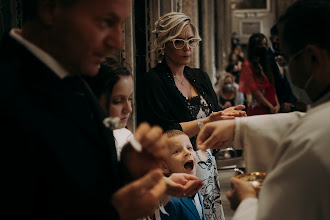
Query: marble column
[190, 7]
[208, 51]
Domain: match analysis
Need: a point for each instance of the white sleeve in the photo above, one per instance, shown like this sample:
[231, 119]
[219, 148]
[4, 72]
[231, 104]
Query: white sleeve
[259, 136]
[247, 210]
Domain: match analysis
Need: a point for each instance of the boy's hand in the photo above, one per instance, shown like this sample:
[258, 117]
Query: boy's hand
[182, 185]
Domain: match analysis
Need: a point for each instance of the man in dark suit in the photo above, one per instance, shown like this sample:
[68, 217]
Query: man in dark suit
[60, 160]
[283, 90]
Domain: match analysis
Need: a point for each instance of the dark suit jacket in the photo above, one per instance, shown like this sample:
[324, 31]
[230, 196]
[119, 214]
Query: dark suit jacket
[60, 161]
[282, 86]
[182, 209]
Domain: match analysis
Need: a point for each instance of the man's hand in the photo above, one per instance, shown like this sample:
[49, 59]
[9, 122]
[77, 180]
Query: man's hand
[141, 197]
[216, 135]
[240, 191]
[182, 185]
[154, 145]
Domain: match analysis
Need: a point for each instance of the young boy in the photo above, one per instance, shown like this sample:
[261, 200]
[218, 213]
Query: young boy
[181, 159]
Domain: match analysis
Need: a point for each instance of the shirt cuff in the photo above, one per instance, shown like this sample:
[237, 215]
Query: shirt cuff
[237, 136]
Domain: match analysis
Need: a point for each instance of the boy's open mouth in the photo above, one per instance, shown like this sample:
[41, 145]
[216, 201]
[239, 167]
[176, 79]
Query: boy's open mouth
[189, 165]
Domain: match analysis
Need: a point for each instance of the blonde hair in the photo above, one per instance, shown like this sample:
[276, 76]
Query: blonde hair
[174, 133]
[222, 82]
[168, 27]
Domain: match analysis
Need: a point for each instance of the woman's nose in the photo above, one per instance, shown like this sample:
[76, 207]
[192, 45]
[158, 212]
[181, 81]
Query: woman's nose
[128, 107]
[186, 46]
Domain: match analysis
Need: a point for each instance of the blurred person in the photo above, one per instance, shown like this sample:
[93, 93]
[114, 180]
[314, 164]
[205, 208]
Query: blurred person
[234, 66]
[284, 94]
[293, 147]
[62, 161]
[234, 41]
[178, 97]
[257, 78]
[228, 94]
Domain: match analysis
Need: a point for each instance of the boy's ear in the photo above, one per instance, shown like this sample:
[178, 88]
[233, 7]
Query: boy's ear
[165, 169]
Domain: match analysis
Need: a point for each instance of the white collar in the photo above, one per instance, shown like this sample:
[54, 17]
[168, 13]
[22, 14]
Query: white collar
[43, 56]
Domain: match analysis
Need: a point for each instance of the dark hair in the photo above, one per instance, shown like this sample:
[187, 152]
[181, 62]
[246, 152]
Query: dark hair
[30, 8]
[306, 22]
[109, 74]
[274, 30]
[255, 42]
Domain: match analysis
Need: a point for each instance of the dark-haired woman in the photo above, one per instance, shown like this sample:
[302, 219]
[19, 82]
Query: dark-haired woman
[113, 87]
[257, 79]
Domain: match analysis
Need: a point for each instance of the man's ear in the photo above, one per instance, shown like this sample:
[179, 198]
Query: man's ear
[46, 10]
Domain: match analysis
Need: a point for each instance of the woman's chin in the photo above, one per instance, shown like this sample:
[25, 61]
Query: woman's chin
[122, 125]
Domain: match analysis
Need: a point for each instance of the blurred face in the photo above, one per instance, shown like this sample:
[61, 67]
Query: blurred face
[228, 81]
[263, 43]
[181, 157]
[84, 34]
[121, 100]
[179, 57]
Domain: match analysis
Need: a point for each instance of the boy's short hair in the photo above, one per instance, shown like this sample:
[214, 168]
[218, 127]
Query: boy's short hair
[174, 133]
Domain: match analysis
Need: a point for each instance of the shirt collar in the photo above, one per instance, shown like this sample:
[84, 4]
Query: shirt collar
[43, 56]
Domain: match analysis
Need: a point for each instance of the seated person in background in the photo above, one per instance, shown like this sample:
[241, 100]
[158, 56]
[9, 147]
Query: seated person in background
[228, 94]
[234, 65]
[181, 159]
[113, 88]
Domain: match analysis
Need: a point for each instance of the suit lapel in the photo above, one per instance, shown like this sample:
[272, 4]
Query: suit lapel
[191, 206]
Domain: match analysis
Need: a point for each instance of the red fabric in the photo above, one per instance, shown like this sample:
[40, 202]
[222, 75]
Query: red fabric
[248, 83]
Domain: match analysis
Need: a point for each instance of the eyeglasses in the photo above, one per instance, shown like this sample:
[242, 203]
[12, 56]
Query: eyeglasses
[289, 60]
[180, 43]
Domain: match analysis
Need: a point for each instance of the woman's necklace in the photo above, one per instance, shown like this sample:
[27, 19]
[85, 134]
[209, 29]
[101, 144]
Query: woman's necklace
[182, 83]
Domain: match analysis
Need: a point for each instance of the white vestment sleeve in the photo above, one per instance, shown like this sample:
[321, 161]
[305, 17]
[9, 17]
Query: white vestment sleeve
[259, 136]
[247, 210]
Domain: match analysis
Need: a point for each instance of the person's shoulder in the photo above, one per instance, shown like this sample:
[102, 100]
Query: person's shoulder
[197, 73]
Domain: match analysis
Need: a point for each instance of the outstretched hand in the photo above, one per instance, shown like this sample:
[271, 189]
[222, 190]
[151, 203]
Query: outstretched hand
[216, 135]
[235, 111]
[182, 185]
[228, 113]
[141, 197]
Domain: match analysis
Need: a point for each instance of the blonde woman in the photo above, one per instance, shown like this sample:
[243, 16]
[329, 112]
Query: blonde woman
[179, 97]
